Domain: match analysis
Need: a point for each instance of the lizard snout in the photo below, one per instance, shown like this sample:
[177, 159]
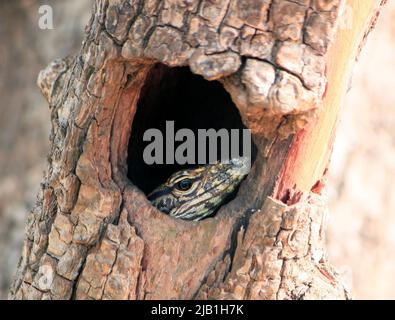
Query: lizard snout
[241, 164]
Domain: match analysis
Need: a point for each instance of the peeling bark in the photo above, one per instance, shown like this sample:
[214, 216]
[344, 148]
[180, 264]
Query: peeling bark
[94, 235]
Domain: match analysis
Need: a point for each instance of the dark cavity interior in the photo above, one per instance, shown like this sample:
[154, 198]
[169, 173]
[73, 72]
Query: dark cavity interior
[176, 94]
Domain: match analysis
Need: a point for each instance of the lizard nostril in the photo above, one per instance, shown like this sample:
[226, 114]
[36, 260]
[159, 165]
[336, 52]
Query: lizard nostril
[242, 164]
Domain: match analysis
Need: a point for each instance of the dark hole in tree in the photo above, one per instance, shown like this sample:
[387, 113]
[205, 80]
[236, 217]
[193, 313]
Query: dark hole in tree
[176, 94]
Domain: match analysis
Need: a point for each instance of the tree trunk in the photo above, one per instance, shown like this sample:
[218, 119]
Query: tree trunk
[286, 64]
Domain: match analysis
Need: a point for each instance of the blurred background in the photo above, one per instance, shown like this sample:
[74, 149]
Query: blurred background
[361, 234]
[24, 115]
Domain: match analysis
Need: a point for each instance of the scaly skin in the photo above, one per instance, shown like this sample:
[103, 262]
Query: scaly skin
[196, 193]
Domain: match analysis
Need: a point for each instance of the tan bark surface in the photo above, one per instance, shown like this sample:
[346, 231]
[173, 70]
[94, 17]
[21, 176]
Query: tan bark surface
[94, 235]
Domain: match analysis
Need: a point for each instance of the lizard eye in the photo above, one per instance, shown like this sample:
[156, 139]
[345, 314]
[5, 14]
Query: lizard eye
[184, 185]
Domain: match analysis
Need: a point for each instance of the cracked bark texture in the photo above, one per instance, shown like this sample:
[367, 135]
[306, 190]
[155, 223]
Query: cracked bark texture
[94, 235]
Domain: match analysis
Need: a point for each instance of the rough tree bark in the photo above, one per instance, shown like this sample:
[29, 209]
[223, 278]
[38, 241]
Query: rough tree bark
[286, 65]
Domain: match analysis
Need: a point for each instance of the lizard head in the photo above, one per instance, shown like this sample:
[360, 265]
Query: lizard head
[194, 194]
